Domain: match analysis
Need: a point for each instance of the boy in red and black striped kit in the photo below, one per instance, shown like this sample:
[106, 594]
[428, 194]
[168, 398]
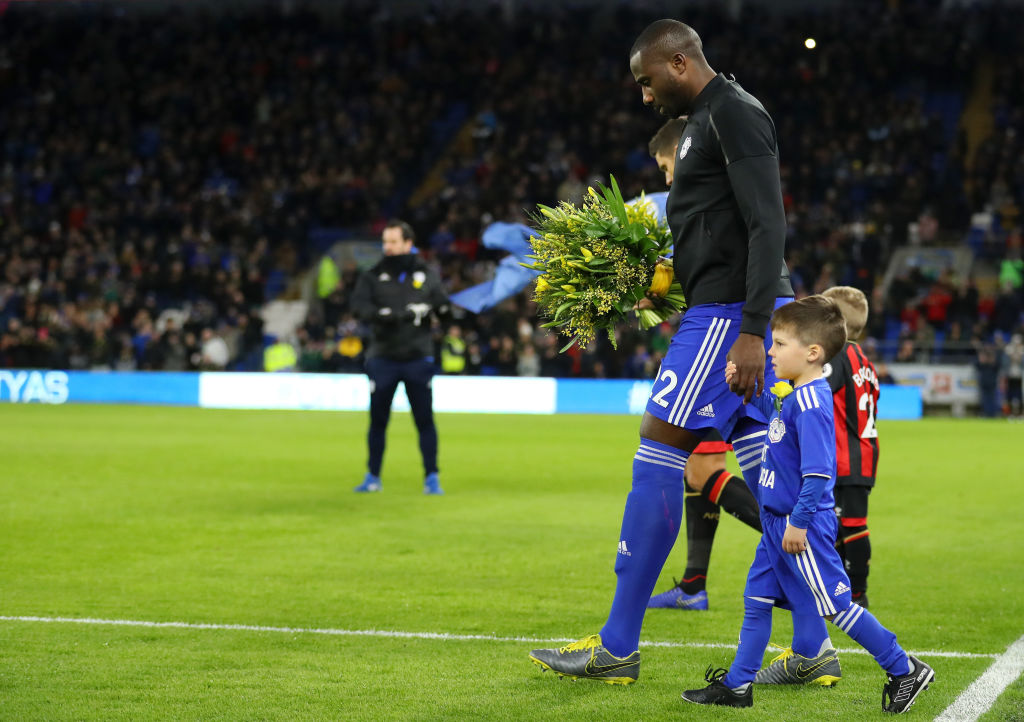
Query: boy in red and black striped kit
[855, 390]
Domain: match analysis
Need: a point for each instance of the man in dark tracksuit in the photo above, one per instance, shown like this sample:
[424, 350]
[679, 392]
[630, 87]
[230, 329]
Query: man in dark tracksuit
[397, 298]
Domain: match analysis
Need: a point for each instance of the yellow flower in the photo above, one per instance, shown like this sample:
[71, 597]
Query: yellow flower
[781, 389]
[661, 281]
[569, 289]
[542, 284]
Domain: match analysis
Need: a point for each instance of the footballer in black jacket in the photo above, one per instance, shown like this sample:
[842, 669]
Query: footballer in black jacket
[726, 213]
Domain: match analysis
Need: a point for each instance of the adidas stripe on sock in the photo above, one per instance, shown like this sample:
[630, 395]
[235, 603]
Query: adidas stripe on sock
[650, 525]
[867, 631]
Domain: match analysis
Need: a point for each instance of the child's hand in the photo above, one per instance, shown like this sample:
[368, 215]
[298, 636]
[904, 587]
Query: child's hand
[794, 540]
[730, 371]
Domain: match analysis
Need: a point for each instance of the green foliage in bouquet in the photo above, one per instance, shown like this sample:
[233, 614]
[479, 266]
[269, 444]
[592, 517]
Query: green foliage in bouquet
[598, 261]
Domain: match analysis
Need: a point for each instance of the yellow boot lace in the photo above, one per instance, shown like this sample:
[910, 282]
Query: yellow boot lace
[786, 653]
[594, 640]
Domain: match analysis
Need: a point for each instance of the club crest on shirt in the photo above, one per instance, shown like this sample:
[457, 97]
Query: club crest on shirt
[826, 371]
[418, 279]
[776, 430]
[685, 146]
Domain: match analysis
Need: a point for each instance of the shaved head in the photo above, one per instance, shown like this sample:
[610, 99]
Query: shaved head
[664, 38]
[667, 62]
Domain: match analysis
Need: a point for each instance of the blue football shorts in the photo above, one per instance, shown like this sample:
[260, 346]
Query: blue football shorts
[813, 581]
[690, 389]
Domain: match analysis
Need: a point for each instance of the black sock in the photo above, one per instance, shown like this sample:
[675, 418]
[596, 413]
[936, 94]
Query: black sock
[857, 556]
[732, 494]
[701, 524]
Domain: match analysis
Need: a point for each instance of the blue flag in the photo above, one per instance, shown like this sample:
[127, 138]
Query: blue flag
[509, 278]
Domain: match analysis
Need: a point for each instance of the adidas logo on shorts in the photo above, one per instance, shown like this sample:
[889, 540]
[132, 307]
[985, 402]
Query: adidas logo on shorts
[706, 411]
[840, 589]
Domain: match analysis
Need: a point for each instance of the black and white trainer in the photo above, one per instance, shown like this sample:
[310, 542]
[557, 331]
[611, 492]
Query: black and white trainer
[901, 692]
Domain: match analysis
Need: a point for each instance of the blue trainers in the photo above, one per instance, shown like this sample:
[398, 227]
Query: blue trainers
[432, 484]
[370, 483]
[676, 598]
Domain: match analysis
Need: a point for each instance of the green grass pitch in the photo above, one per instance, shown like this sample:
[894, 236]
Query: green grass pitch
[247, 518]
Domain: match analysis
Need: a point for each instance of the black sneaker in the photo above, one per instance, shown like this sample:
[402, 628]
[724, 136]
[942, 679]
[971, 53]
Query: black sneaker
[718, 693]
[861, 600]
[901, 692]
[588, 659]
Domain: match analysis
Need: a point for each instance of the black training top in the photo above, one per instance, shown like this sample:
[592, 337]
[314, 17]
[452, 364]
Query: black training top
[397, 297]
[725, 206]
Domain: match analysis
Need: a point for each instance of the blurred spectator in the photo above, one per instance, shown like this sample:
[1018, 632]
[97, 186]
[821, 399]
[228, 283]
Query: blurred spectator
[637, 365]
[1012, 373]
[174, 352]
[528, 363]
[936, 306]
[474, 359]
[1006, 314]
[553, 363]
[1011, 271]
[213, 351]
[987, 370]
[280, 356]
[453, 352]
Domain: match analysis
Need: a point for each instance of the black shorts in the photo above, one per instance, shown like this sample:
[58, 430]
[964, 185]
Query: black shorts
[713, 443]
[1013, 390]
[852, 505]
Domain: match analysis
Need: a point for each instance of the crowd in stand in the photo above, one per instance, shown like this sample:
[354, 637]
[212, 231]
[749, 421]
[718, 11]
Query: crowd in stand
[163, 171]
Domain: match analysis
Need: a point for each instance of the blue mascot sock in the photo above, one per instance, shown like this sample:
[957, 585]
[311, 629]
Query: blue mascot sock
[866, 631]
[650, 524]
[754, 636]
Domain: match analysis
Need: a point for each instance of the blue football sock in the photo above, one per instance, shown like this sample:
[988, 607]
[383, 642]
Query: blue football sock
[810, 635]
[866, 631]
[754, 636]
[650, 524]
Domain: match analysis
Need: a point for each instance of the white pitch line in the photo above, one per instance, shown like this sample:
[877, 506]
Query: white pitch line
[408, 635]
[983, 692]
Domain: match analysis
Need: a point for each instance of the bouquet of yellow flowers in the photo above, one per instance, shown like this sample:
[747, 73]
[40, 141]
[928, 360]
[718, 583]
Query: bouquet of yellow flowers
[598, 261]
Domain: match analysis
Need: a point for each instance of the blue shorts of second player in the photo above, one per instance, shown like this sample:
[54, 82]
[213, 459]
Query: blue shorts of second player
[811, 582]
[690, 390]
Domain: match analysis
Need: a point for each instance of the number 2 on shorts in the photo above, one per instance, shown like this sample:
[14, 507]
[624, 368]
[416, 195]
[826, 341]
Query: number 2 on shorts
[659, 398]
